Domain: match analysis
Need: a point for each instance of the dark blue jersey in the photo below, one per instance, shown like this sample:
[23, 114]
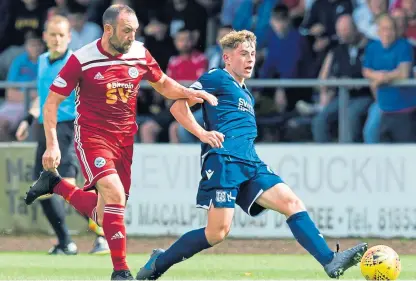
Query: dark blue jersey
[233, 116]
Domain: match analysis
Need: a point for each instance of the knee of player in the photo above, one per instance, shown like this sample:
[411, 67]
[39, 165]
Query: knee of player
[116, 197]
[217, 234]
[111, 189]
[294, 205]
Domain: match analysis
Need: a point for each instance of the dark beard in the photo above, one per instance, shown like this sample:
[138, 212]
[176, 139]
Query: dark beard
[119, 49]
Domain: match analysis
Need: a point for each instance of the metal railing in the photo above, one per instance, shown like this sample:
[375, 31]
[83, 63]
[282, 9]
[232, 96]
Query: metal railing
[342, 84]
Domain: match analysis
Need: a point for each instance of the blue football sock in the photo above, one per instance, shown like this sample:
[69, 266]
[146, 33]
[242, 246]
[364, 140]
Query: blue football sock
[185, 247]
[309, 237]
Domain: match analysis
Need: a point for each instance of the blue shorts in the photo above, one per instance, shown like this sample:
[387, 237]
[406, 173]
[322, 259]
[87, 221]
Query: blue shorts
[228, 180]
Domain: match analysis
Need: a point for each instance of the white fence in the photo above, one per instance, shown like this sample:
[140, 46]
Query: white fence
[350, 190]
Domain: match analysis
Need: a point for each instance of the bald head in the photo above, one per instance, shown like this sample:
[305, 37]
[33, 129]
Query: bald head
[56, 20]
[346, 29]
[120, 26]
[57, 35]
[387, 29]
[110, 15]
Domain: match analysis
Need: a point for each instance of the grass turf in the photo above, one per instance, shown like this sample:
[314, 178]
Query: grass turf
[39, 266]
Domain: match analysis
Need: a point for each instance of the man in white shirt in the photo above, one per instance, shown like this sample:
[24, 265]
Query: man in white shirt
[82, 31]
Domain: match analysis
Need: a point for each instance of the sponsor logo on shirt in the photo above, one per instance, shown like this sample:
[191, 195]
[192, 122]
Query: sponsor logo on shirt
[245, 106]
[59, 82]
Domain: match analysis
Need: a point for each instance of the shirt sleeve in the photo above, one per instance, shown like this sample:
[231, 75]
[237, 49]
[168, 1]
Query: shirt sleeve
[13, 73]
[154, 73]
[68, 78]
[207, 82]
[405, 53]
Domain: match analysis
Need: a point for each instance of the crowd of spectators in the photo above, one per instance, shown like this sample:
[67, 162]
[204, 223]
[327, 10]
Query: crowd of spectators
[296, 39]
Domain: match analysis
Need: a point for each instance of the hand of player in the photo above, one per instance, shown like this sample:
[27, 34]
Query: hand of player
[197, 96]
[213, 138]
[22, 131]
[51, 158]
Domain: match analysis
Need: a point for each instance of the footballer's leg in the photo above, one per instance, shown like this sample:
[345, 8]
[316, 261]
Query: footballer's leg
[189, 244]
[111, 205]
[215, 194]
[100, 246]
[276, 195]
[98, 167]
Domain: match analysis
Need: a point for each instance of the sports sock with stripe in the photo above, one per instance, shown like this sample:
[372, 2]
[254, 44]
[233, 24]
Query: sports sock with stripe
[83, 201]
[115, 233]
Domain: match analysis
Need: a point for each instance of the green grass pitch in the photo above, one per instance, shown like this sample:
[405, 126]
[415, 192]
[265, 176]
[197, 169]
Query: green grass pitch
[39, 266]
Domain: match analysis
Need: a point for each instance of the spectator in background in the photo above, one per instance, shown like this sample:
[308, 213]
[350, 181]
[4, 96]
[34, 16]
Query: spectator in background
[253, 15]
[213, 7]
[23, 69]
[323, 15]
[344, 61]
[187, 14]
[371, 129]
[387, 60]
[366, 17]
[82, 31]
[297, 10]
[286, 50]
[214, 53]
[26, 16]
[5, 5]
[409, 7]
[229, 11]
[61, 8]
[400, 19]
[399, 16]
[320, 28]
[157, 39]
[188, 65]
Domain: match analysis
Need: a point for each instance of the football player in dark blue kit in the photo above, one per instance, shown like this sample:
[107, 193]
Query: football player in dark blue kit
[232, 172]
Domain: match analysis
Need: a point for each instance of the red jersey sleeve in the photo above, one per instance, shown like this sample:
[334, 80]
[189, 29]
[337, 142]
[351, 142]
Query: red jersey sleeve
[68, 77]
[154, 73]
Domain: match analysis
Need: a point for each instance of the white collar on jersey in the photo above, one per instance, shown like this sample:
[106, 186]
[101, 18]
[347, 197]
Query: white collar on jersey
[241, 85]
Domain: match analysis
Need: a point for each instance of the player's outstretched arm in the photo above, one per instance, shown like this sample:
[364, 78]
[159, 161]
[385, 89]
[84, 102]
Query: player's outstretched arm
[52, 156]
[183, 114]
[171, 89]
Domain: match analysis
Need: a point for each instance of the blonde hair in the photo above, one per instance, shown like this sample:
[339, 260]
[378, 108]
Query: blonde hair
[57, 19]
[233, 39]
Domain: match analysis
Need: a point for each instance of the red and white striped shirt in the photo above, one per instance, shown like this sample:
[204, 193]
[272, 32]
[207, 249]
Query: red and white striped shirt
[107, 87]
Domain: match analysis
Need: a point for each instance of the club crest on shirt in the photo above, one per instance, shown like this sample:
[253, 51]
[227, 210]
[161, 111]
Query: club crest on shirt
[99, 162]
[133, 72]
